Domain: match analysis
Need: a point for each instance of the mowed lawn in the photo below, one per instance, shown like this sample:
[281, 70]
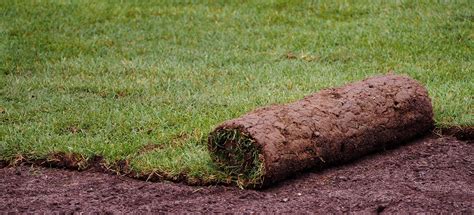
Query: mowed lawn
[146, 81]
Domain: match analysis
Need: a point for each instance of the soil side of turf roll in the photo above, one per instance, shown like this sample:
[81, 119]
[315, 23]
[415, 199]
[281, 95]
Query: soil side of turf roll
[331, 126]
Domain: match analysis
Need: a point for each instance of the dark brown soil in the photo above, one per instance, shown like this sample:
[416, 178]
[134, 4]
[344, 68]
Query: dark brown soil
[434, 174]
[462, 133]
[331, 126]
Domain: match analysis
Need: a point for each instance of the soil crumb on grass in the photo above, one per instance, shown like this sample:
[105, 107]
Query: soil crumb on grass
[434, 174]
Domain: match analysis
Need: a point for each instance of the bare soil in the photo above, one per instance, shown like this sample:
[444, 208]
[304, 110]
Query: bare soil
[433, 174]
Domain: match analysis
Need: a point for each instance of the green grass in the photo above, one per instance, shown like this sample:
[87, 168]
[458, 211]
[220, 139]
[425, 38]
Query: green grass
[237, 155]
[112, 77]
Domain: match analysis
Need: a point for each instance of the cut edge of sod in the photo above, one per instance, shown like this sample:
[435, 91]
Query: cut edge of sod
[237, 154]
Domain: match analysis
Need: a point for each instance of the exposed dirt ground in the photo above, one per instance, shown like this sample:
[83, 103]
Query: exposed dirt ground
[434, 174]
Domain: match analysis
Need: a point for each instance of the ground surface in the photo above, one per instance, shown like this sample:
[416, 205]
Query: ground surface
[146, 81]
[431, 174]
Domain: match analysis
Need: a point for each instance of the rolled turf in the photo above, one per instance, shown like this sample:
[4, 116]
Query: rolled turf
[331, 126]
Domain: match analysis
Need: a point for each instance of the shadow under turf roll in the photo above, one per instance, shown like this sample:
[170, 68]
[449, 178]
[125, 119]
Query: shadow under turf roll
[331, 126]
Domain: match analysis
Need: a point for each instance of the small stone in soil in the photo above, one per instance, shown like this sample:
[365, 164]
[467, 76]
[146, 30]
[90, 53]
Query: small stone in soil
[285, 199]
[343, 178]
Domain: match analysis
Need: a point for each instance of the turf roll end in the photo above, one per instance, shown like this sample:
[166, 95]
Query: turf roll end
[236, 153]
